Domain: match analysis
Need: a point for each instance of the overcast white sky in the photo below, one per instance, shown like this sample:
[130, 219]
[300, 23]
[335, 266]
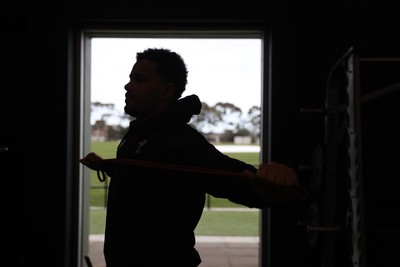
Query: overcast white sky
[219, 70]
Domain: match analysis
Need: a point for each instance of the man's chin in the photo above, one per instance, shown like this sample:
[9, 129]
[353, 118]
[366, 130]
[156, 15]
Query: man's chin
[130, 111]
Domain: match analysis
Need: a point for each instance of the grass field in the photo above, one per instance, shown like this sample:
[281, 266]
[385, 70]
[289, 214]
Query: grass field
[234, 223]
[212, 223]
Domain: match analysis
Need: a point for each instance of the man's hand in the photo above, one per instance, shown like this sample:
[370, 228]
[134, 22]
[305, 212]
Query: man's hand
[92, 161]
[277, 174]
[275, 183]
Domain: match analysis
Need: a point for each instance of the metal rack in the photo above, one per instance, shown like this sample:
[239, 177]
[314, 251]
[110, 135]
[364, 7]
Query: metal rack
[337, 223]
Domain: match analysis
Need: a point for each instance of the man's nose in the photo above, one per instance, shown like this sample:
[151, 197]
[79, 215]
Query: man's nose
[128, 86]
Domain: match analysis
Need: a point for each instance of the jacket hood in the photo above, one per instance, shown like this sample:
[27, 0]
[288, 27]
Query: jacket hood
[185, 108]
[180, 112]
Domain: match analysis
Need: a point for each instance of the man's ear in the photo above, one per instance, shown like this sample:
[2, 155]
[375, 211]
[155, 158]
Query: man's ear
[168, 91]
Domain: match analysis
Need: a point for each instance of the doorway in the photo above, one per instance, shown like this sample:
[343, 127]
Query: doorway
[231, 72]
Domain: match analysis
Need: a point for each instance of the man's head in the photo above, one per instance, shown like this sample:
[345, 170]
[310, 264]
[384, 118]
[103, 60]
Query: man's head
[157, 80]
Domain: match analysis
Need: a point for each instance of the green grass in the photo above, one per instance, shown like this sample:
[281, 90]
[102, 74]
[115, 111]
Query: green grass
[105, 149]
[97, 221]
[229, 223]
[212, 222]
[224, 223]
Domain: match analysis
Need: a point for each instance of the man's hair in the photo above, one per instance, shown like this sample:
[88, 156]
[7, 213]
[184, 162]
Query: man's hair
[170, 66]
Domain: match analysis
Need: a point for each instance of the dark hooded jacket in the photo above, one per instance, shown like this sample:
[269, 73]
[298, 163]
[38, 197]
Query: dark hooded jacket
[152, 213]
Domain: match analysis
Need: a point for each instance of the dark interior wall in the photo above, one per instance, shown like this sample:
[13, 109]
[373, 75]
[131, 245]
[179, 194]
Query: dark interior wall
[39, 114]
[34, 88]
[305, 46]
[306, 43]
[381, 159]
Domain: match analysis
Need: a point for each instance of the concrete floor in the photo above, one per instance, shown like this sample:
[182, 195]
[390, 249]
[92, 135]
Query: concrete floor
[215, 251]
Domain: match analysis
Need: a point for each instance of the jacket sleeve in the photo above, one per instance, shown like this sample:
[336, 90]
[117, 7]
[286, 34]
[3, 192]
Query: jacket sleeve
[237, 188]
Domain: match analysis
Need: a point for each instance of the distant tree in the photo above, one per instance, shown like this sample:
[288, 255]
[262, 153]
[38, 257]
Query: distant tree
[240, 131]
[109, 119]
[96, 105]
[208, 119]
[222, 118]
[230, 114]
[227, 136]
[102, 110]
[116, 132]
[253, 123]
[99, 130]
[99, 125]
[217, 119]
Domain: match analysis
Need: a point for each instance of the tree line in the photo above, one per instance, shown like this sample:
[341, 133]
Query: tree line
[223, 119]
